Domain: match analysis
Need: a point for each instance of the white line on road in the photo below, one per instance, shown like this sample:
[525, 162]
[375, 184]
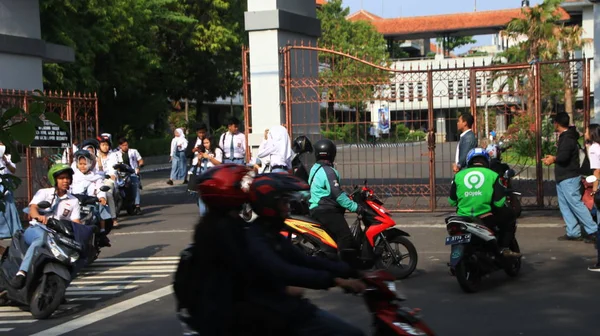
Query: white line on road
[83, 299]
[108, 292]
[15, 314]
[6, 329]
[172, 270]
[136, 259]
[123, 268]
[16, 321]
[143, 276]
[136, 263]
[150, 232]
[102, 288]
[106, 312]
[110, 282]
[17, 309]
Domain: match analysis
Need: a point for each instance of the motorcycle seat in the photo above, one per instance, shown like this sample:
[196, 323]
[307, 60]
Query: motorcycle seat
[465, 219]
[87, 200]
[305, 219]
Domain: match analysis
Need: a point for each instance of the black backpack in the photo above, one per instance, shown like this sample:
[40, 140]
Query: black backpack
[584, 162]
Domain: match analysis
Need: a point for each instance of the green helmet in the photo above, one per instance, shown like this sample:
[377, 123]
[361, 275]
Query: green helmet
[56, 170]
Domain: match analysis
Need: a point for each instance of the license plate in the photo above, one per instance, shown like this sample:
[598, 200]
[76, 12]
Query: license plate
[462, 239]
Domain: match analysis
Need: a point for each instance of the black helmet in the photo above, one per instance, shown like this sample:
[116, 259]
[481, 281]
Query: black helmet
[325, 150]
[302, 145]
[267, 189]
[90, 143]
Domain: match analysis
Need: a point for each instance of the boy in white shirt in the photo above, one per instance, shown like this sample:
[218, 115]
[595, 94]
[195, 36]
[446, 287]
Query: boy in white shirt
[64, 206]
[87, 182]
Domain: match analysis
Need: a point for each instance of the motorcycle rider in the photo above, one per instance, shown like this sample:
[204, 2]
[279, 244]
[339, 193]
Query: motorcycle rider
[132, 158]
[327, 200]
[106, 161]
[87, 182]
[278, 264]
[64, 206]
[477, 192]
[495, 162]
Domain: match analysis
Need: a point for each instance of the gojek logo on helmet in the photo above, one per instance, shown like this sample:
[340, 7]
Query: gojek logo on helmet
[474, 180]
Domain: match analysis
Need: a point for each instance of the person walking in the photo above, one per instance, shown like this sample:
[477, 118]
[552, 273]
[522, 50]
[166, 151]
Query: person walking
[567, 172]
[466, 142]
[177, 156]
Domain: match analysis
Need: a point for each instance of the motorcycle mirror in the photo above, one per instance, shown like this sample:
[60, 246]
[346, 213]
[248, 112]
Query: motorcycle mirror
[105, 188]
[591, 179]
[510, 173]
[43, 205]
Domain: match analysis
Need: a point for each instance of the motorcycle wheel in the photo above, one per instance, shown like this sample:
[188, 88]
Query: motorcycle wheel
[467, 276]
[47, 298]
[386, 261]
[513, 269]
[515, 203]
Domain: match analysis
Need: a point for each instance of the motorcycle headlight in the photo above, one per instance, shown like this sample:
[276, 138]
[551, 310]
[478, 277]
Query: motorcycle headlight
[58, 253]
[410, 330]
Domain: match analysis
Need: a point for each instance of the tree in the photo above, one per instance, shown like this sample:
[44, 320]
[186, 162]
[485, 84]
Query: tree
[570, 40]
[452, 42]
[346, 80]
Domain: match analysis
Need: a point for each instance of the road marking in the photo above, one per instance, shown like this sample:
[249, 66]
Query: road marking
[124, 268]
[150, 232]
[172, 270]
[92, 288]
[110, 282]
[16, 321]
[135, 263]
[17, 309]
[15, 314]
[143, 276]
[107, 292]
[83, 299]
[6, 329]
[136, 259]
[106, 312]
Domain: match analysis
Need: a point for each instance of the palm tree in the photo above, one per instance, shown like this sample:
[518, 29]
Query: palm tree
[570, 40]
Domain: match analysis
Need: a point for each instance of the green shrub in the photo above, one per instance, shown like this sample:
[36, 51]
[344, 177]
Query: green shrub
[416, 136]
[152, 146]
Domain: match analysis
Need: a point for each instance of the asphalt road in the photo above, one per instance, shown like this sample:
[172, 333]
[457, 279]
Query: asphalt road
[128, 292]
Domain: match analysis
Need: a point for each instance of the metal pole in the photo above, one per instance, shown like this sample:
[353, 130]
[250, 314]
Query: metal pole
[487, 124]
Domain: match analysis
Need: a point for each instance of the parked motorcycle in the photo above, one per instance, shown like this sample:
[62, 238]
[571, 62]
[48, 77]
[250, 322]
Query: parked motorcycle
[378, 242]
[475, 252]
[50, 271]
[389, 317]
[125, 198]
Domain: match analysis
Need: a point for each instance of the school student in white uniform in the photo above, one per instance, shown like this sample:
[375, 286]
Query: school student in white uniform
[132, 158]
[233, 143]
[277, 149]
[64, 206]
[9, 219]
[106, 161]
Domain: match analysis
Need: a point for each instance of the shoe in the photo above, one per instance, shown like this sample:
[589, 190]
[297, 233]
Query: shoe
[185, 182]
[507, 253]
[170, 182]
[569, 238]
[103, 240]
[590, 238]
[18, 281]
[595, 268]
[137, 211]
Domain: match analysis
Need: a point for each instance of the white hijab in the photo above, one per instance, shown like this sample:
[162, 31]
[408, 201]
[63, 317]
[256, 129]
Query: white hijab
[278, 137]
[178, 141]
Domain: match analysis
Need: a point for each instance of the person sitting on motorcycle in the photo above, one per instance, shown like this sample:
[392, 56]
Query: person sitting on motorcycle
[87, 182]
[282, 269]
[478, 192]
[105, 164]
[495, 163]
[327, 200]
[64, 206]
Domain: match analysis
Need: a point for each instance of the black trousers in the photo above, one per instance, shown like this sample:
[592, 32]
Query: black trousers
[505, 219]
[336, 224]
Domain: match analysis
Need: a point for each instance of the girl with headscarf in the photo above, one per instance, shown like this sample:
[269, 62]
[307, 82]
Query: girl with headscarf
[178, 160]
[278, 149]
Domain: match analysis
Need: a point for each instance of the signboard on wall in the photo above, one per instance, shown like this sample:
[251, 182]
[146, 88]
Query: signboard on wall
[384, 120]
[51, 136]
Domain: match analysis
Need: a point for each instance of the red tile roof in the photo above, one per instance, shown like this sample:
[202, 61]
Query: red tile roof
[321, 2]
[363, 15]
[419, 26]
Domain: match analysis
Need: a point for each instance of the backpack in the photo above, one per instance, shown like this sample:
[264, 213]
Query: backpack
[584, 162]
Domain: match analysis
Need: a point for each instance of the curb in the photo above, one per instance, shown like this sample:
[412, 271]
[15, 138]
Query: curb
[155, 169]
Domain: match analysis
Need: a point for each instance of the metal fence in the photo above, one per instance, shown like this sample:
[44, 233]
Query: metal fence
[328, 93]
[80, 109]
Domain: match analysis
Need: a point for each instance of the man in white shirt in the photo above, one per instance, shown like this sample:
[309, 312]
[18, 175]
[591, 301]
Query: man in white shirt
[233, 143]
[132, 158]
[466, 142]
[63, 206]
[277, 149]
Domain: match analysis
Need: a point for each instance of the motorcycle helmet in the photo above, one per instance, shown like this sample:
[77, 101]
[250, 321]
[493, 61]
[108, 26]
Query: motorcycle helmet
[302, 145]
[267, 190]
[493, 151]
[224, 186]
[90, 143]
[89, 158]
[325, 149]
[58, 169]
[477, 153]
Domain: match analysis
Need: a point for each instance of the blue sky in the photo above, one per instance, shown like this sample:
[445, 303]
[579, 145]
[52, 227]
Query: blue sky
[402, 8]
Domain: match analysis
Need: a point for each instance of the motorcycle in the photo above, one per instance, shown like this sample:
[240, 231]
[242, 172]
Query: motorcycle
[374, 241]
[91, 217]
[475, 252]
[506, 176]
[51, 269]
[125, 198]
[389, 317]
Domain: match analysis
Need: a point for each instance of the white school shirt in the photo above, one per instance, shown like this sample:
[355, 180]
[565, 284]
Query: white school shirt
[239, 145]
[107, 164]
[134, 157]
[594, 155]
[67, 208]
[218, 155]
[88, 184]
[6, 164]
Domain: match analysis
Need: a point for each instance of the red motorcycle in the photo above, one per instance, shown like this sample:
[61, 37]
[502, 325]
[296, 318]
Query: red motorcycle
[379, 241]
[389, 318]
